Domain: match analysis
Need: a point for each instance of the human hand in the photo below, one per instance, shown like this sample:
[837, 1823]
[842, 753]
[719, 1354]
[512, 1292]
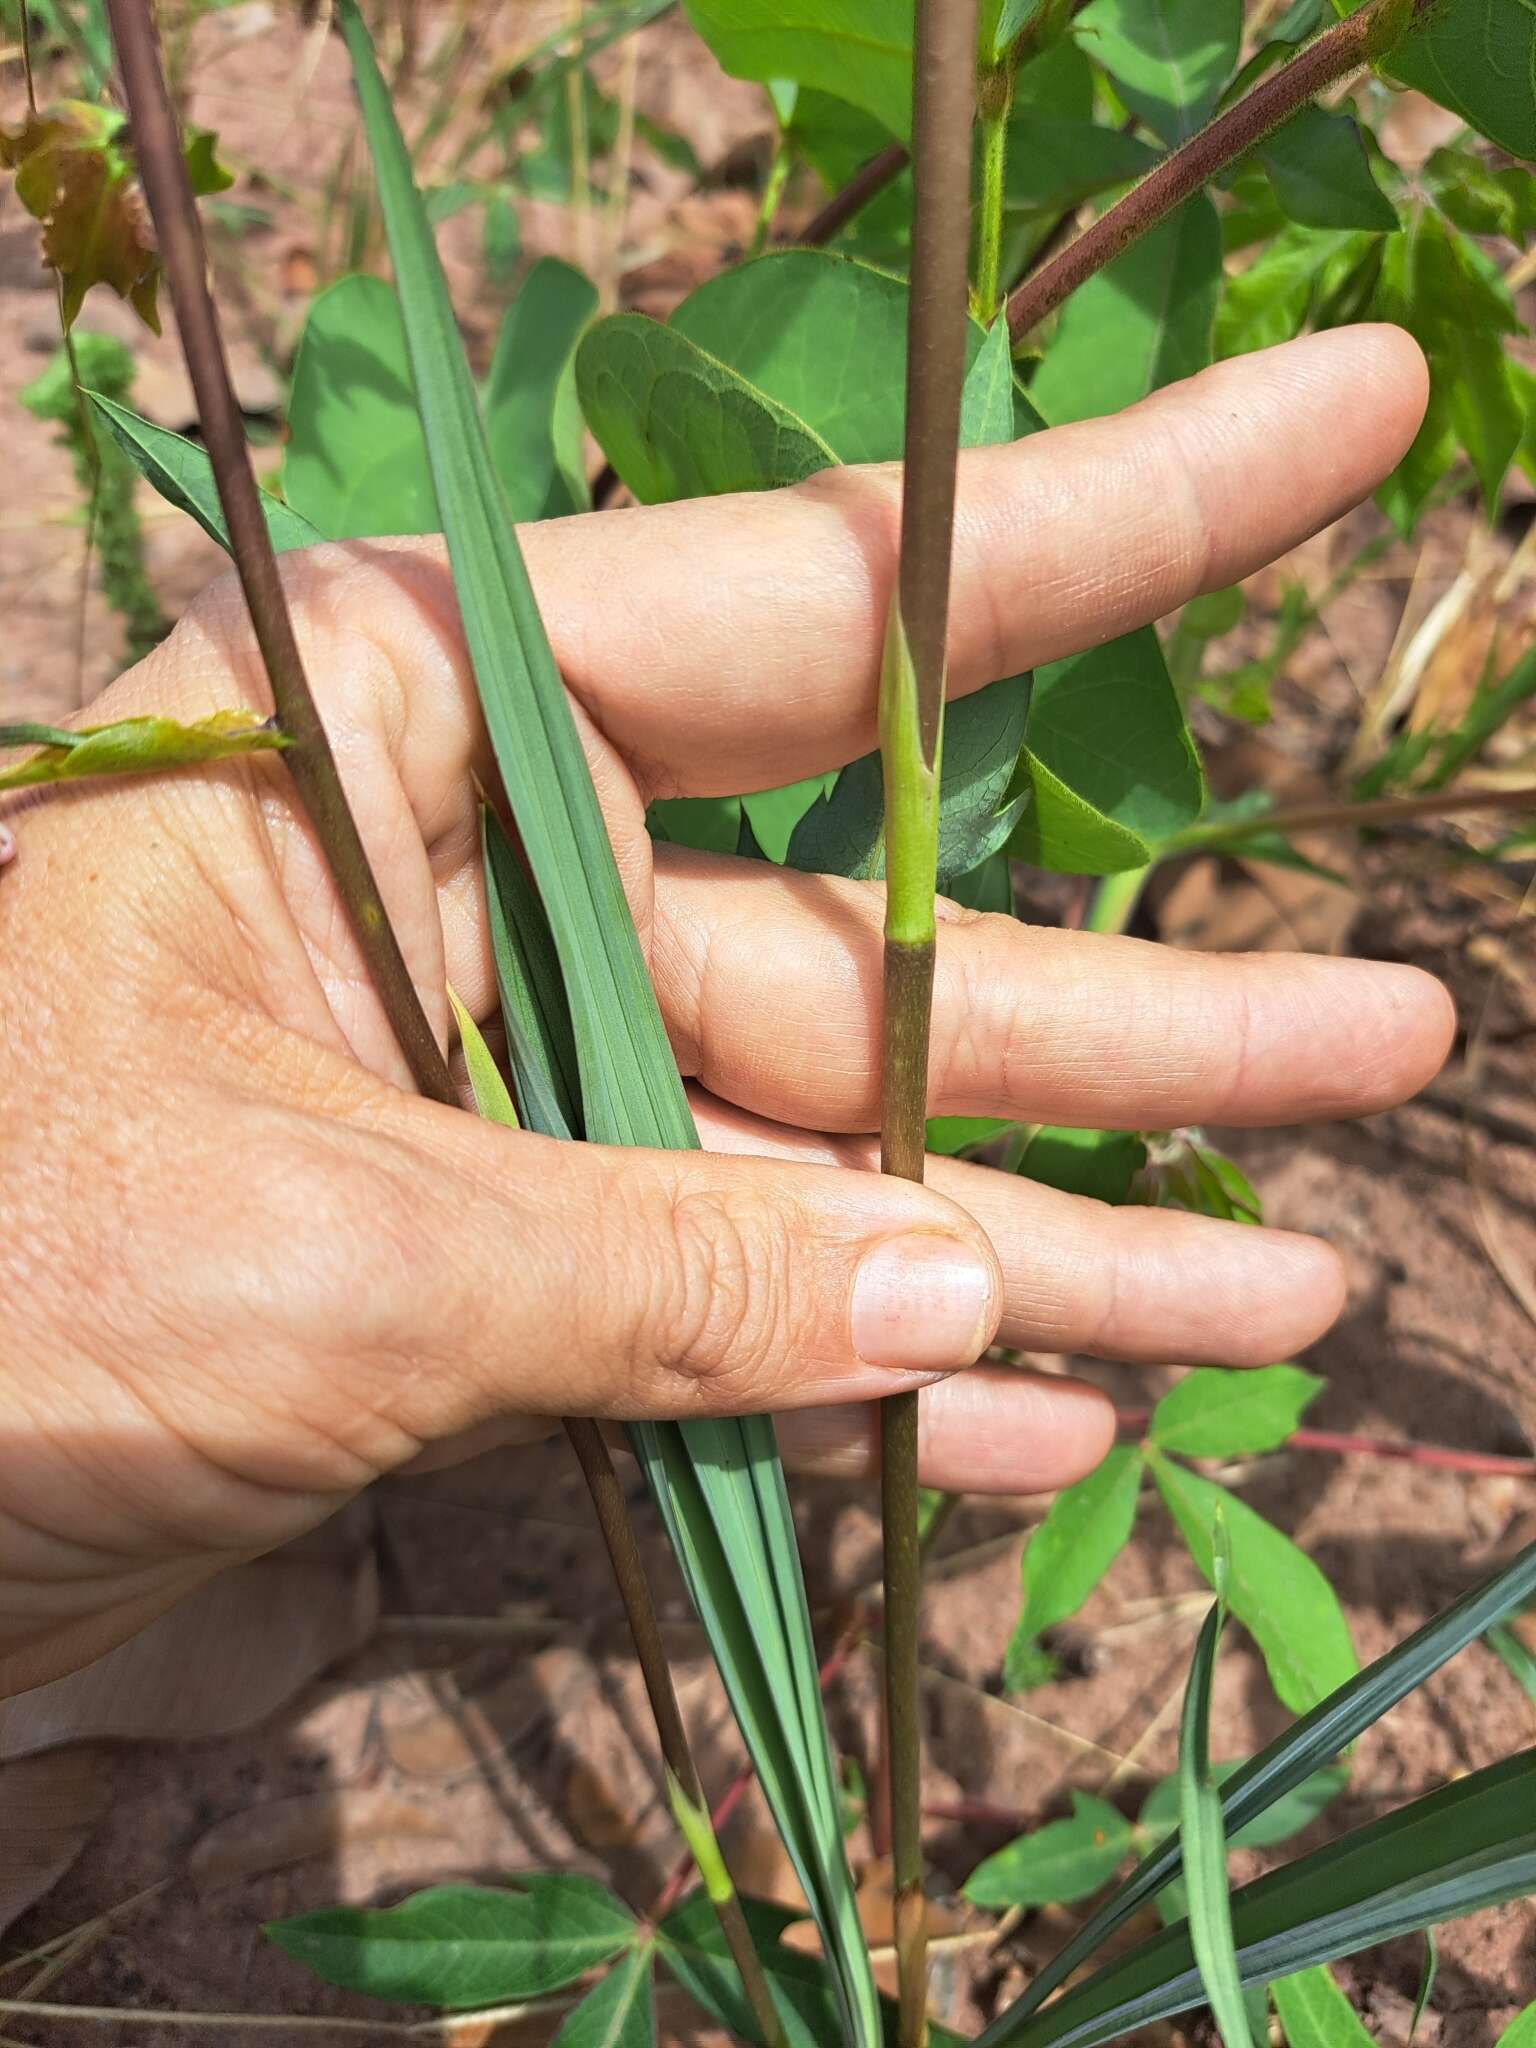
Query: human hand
[246, 1272]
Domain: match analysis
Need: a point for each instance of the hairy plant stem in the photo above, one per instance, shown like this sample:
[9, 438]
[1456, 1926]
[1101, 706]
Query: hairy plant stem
[1333, 55]
[689, 1807]
[162, 170]
[1113, 902]
[782, 164]
[911, 740]
[995, 102]
[310, 760]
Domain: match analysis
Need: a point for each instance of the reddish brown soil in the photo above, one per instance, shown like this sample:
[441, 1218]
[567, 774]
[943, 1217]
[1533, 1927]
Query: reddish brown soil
[493, 1721]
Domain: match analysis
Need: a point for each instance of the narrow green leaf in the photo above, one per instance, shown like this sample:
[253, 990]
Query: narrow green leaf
[1170, 60]
[1057, 1864]
[460, 1945]
[534, 1009]
[1512, 1653]
[1469, 1845]
[620, 2013]
[1277, 1592]
[1205, 1843]
[860, 50]
[1315, 2013]
[719, 1485]
[1289, 1761]
[1084, 1531]
[356, 462]
[1213, 1413]
[181, 472]
[532, 418]
[135, 746]
[1108, 760]
[488, 1088]
[1144, 321]
[1321, 172]
[1427, 1978]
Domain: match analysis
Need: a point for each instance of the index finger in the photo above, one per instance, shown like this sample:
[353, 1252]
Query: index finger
[734, 644]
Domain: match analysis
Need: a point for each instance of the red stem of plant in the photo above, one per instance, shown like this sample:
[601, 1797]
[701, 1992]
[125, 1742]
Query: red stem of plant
[1439, 1457]
[1332, 56]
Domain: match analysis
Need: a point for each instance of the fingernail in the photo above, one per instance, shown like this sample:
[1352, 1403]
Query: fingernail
[921, 1304]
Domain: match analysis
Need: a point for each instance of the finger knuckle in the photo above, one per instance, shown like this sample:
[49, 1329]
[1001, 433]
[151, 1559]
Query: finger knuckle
[722, 1306]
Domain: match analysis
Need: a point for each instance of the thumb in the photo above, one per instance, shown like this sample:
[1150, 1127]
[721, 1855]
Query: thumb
[558, 1279]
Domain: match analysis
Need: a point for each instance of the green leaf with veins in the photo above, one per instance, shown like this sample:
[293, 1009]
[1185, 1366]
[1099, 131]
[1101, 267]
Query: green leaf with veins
[1275, 1589]
[1144, 321]
[620, 2013]
[1315, 2013]
[1477, 57]
[1321, 172]
[1056, 1864]
[1216, 1413]
[460, 1945]
[1084, 1531]
[181, 472]
[1169, 60]
[356, 462]
[860, 50]
[675, 422]
[1108, 760]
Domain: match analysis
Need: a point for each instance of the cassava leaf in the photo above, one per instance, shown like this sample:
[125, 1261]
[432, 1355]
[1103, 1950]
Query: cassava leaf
[861, 50]
[181, 472]
[676, 423]
[1477, 57]
[1063, 1861]
[1099, 1164]
[461, 1945]
[532, 418]
[1276, 1591]
[1144, 321]
[1321, 173]
[135, 746]
[1169, 60]
[1469, 1845]
[1084, 1531]
[1213, 1413]
[1108, 760]
[620, 2013]
[356, 463]
[719, 1485]
[1315, 2013]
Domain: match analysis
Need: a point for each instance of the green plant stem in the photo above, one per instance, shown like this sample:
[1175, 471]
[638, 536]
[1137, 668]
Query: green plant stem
[1336, 53]
[689, 1806]
[911, 739]
[1114, 900]
[311, 762]
[995, 104]
[773, 192]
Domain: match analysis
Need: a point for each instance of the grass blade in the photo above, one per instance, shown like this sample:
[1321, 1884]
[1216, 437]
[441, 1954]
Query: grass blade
[719, 1485]
[1205, 1844]
[1469, 1845]
[1282, 1765]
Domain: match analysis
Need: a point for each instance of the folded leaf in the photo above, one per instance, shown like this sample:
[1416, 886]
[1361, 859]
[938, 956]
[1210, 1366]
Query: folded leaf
[135, 746]
[181, 472]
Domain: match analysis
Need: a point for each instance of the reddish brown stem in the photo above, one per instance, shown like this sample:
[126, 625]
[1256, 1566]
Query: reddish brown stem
[1134, 1421]
[1332, 56]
